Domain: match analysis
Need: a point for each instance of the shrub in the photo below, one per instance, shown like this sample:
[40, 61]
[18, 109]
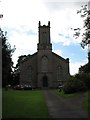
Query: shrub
[85, 77]
[74, 85]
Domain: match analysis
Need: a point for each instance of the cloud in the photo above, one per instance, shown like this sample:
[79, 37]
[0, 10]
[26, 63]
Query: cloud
[65, 1]
[56, 5]
[58, 52]
[68, 39]
[61, 23]
[74, 66]
[27, 13]
[21, 17]
[25, 43]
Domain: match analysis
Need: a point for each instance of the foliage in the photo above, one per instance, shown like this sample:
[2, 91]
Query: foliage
[85, 77]
[85, 14]
[24, 104]
[89, 59]
[62, 93]
[16, 74]
[85, 68]
[6, 59]
[74, 85]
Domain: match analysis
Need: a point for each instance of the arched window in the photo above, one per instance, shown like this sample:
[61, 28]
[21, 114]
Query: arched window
[44, 64]
[59, 73]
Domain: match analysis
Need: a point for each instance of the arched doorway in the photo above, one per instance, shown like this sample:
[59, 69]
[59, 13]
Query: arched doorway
[45, 81]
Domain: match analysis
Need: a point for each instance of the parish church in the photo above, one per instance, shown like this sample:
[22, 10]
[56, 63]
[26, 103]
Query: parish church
[44, 69]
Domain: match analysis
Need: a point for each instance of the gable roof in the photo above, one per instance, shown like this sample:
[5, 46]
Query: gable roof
[28, 57]
[65, 60]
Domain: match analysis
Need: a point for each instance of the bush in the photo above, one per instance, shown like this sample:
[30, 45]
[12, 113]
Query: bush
[74, 85]
[85, 77]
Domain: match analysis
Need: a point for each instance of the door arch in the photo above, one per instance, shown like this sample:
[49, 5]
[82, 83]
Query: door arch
[45, 81]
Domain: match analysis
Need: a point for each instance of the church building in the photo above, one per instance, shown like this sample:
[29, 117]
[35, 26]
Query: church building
[44, 68]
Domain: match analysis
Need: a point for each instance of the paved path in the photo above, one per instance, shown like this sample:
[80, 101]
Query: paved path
[59, 107]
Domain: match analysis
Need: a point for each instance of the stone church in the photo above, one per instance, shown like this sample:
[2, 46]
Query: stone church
[44, 68]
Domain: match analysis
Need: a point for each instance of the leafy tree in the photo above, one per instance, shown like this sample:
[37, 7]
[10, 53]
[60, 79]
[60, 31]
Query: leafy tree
[85, 14]
[16, 74]
[74, 85]
[6, 59]
[84, 77]
[85, 68]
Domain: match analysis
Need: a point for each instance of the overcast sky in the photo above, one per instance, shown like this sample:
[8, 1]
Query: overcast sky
[20, 20]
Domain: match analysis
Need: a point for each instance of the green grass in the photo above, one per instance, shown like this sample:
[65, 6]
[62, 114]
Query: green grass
[86, 102]
[24, 104]
[65, 95]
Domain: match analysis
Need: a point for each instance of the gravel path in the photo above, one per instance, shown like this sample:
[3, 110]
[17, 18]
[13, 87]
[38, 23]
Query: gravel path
[60, 107]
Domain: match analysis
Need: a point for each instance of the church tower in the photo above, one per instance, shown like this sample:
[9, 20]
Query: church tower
[44, 56]
[44, 37]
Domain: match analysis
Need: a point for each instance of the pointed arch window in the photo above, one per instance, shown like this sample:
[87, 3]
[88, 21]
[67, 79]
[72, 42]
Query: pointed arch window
[44, 64]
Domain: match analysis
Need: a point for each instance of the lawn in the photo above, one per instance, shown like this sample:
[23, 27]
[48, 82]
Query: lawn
[86, 102]
[24, 104]
[0, 103]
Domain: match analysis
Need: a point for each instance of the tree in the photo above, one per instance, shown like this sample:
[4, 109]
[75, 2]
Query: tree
[85, 14]
[84, 77]
[6, 59]
[16, 74]
[74, 85]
